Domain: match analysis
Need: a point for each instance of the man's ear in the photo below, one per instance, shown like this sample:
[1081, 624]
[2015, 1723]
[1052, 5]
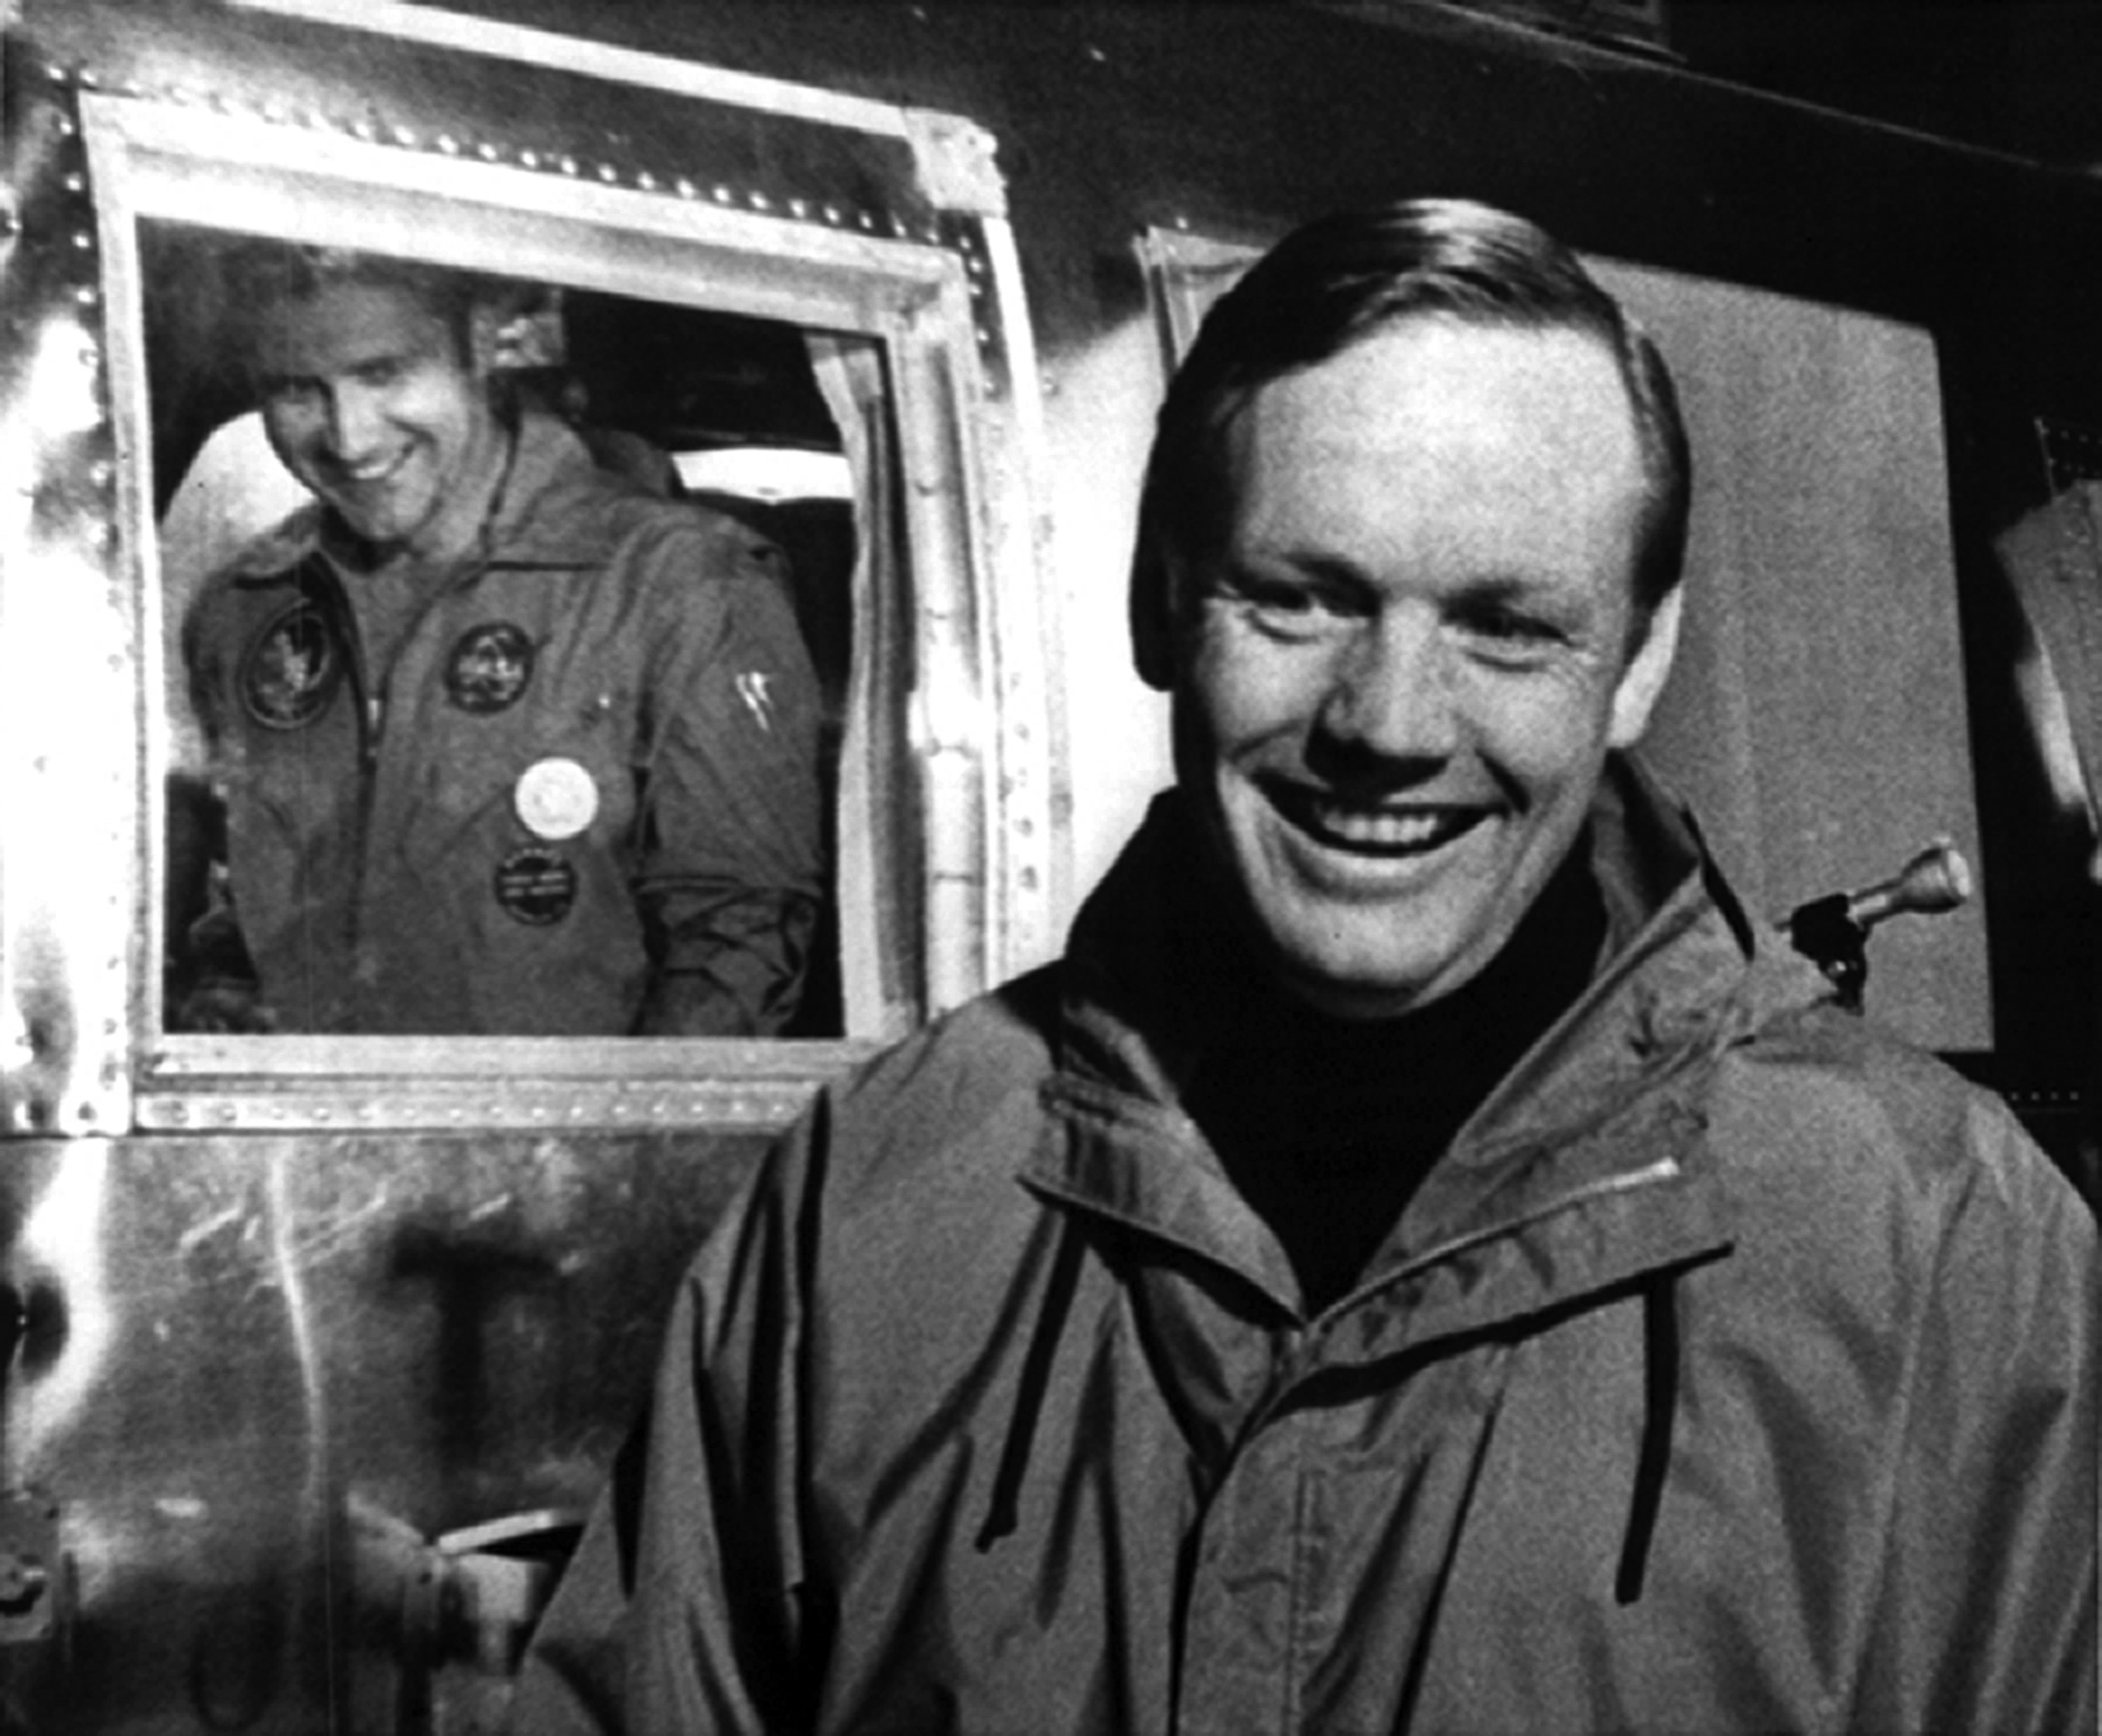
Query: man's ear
[1643, 680]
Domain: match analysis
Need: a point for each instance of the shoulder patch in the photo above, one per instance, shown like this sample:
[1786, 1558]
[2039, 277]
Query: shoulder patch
[292, 667]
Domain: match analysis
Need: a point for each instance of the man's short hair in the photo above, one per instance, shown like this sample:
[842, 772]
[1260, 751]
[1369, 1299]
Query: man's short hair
[258, 275]
[1339, 280]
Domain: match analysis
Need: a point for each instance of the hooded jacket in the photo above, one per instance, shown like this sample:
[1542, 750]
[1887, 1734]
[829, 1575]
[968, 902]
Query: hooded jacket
[1734, 1370]
[582, 796]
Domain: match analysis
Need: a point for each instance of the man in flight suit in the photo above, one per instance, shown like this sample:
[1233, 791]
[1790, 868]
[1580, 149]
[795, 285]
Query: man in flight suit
[1422, 1259]
[504, 745]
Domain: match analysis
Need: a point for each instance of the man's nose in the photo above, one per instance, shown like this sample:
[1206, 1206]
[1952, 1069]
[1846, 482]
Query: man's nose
[355, 419]
[1392, 694]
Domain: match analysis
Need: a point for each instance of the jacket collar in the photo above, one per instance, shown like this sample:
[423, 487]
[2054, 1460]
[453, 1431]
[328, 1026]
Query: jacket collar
[1600, 1123]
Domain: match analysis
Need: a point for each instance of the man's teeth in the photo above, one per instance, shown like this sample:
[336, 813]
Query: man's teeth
[1381, 830]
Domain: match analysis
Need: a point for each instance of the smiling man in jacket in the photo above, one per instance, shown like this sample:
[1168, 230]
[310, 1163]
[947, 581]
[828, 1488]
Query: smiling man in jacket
[1420, 1259]
[503, 745]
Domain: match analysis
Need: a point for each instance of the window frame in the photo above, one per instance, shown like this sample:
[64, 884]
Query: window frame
[941, 298]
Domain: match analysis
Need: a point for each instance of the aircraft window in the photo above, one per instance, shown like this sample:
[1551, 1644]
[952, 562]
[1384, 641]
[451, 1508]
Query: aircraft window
[592, 632]
[499, 700]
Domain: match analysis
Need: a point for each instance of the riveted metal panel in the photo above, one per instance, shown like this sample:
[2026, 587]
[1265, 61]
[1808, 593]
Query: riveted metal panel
[833, 214]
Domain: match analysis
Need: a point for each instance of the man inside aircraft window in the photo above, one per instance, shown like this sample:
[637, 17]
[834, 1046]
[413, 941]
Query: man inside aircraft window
[1422, 1259]
[503, 744]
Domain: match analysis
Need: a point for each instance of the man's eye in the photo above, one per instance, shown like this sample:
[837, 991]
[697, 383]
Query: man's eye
[1286, 610]
[1516, 633]
[381, 373]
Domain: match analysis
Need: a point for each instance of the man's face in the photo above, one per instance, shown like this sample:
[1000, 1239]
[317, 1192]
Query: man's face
[1411, 654]
[370, 403]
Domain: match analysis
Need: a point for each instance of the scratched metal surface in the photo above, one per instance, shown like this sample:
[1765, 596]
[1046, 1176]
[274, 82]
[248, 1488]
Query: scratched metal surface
[263, 1379]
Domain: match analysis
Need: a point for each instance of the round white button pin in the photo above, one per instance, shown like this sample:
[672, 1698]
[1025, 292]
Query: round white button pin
[556, 799]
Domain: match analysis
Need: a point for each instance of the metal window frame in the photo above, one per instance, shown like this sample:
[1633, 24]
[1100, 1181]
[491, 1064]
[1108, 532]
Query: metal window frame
[82, 1050]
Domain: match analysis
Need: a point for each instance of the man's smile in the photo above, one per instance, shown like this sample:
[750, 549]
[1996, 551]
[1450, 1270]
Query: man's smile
[1382, 829]
[370, 472]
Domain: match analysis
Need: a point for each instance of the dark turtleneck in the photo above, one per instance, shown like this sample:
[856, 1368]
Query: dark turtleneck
[1326, 1126]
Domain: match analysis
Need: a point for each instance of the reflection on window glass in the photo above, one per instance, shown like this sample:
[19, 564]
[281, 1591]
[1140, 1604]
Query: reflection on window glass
[508, 638]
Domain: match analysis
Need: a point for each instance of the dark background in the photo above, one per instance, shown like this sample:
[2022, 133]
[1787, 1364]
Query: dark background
[2023, 76]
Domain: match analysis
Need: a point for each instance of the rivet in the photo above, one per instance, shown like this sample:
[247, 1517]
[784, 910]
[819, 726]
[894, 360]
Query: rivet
[567, 165]
[799, 207]
[610, 175]
[758, 201]
[898, 226]
[448, 145]
[75, 182]
[86, 296]
[866, 220]
[181, 95]
[487, 151]
[58, 74]
[82, 240]
[404, 136]
[133, 88]
[321, 1114]
[273, 112]
[365, 130]
[88, 78]
[722, 196]
[646, 181]
[102, 473]
[985, 338]
[831, 213]
[68, 128]
[527, 159]
[686, 189]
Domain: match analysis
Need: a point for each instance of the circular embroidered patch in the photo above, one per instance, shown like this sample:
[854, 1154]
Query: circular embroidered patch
[489, 667]
[536, 885]
[292, 668]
